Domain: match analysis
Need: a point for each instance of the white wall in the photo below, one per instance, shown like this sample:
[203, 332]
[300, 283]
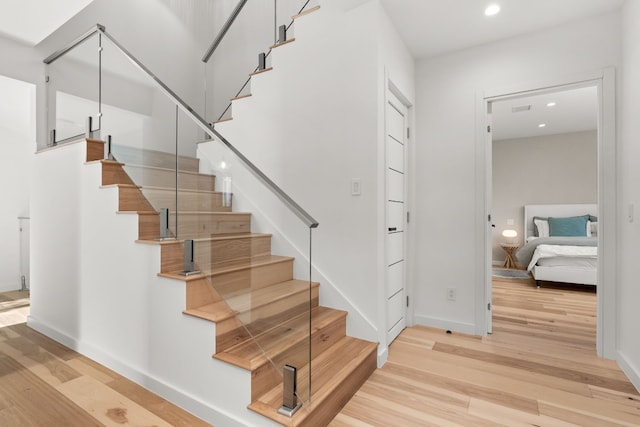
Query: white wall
[560, 168]
[17, 142]
[629, 179]
[447, 91]
[315, 122]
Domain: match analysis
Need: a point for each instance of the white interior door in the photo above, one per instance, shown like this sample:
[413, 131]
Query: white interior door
[395, 145]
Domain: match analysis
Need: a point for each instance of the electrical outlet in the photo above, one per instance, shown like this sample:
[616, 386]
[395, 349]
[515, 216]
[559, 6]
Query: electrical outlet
[451, 294]
[510, 221]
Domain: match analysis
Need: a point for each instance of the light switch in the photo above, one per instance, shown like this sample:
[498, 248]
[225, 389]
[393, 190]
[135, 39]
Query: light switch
[356, 188]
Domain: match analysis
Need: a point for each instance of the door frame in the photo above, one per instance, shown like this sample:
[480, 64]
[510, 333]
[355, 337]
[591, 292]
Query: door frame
[604, 80]
[391, 88]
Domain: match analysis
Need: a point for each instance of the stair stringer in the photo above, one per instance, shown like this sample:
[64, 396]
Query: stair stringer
[127, 318]
[257, 122]
[250, 195]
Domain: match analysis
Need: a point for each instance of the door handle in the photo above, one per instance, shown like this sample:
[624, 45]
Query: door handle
[393, 228]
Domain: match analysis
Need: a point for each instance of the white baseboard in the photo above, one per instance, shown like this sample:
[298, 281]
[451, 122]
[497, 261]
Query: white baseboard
[189, 403]
[383, 355]
[629, 369]
[447, 325]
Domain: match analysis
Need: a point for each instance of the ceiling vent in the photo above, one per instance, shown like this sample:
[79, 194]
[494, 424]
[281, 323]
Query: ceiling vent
[521, 108]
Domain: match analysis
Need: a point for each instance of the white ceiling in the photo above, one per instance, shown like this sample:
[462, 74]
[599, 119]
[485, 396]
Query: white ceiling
[428, 27]
[575, 110]
[31, 21]
[433, 27]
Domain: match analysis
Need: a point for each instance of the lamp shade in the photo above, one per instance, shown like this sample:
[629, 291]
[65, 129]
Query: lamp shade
[510, 233]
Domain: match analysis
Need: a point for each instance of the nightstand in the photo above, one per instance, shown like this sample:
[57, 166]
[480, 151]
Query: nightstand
[509, 248]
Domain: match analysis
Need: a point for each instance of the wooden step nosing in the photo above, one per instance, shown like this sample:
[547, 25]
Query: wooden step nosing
[181, 190]
[212, 239]
[306, 12]
[255, 73]
[158, 168]
[263, 358]
[219, 271]
[237, 98]
[282, 43]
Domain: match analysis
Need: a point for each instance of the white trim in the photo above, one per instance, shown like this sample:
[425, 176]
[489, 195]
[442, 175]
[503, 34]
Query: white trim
[630, 370]
[604, 80]
[383, 355]
[185, 401]
[447, 325]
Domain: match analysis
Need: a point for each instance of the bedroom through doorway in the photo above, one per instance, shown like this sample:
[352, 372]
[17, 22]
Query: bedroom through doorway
[544, 213]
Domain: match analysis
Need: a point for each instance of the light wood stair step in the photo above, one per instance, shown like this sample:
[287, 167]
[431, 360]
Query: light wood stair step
[306, 12]
[130, 198]
[282, 43]
[249, 300]
[255, 73]
[288, 342]
[147, 157]
[152, 176]
[95, 149]
[255, 311]
[336, 375]
[188, 199]
[206, 224]
[217, 249]
[238, 276]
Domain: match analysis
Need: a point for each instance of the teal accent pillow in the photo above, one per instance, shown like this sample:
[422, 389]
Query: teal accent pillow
[569, 227]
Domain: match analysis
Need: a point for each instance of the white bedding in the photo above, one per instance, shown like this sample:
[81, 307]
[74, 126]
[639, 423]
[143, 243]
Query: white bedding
[567, 252]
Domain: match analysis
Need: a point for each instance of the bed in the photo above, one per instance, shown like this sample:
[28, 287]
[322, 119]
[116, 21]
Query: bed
[555, 248]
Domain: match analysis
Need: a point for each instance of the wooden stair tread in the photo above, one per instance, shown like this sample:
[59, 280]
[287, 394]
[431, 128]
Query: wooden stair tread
[249, 300]
[180, 190]
[248, 95]
[347, 363]
[282, 43]
[208, 239]
[306, 12]
[135, 165]
[255, 73]
[231, 266]
[250, 355]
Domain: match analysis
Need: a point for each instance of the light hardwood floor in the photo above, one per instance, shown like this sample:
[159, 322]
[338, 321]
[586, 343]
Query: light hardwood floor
[43, 383]
[538, 368]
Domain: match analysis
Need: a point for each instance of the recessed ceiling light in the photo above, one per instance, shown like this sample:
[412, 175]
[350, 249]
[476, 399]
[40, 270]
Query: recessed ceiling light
[551, 104]
[542, 125]
[492, 9]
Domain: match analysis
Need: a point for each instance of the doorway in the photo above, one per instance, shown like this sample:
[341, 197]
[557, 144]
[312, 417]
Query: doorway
[604, 85]
[396, 125]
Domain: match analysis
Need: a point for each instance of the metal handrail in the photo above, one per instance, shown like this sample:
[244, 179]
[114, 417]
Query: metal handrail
[223, 31]
[307, 219]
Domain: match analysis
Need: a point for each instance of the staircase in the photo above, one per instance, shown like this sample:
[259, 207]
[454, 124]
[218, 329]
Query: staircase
[260, 311]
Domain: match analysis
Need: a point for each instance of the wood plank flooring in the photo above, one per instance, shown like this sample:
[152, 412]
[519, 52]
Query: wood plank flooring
[538, 368]
[43, 383]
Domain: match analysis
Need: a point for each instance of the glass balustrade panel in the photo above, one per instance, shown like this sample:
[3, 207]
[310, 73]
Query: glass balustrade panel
[73, 92]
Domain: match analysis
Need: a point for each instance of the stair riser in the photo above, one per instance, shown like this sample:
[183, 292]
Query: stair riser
[240, 328]
[112, 173]
[95, 150]
[188, 200]
[342, 394]
[148, 226]
[166, 178]
[216, 251]
[141, 156]
[263, 378]
[205, 224]
[254, 278]
[199, 293]
[132, 199]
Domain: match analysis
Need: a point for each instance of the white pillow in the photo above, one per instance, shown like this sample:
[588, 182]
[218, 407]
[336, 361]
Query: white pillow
[588, 228]
[543, 227]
